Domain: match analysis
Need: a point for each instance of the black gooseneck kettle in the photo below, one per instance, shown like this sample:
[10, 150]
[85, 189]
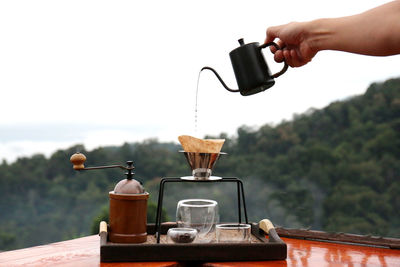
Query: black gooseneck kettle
[250, 68]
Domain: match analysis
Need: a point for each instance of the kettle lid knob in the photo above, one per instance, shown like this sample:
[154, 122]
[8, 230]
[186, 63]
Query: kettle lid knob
[241, 42]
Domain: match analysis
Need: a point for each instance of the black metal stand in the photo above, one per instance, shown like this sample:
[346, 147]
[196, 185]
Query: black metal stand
[240, 194]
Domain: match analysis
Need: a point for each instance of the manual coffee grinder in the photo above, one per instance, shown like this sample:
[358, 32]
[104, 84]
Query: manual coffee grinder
[201, 165]
[128, 204]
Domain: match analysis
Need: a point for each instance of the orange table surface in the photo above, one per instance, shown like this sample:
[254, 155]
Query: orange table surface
[85, 251]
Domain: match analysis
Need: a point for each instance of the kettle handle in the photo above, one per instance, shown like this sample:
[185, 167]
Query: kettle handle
[285, 67]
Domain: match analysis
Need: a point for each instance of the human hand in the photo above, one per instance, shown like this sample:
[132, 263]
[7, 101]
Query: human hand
[297, 48]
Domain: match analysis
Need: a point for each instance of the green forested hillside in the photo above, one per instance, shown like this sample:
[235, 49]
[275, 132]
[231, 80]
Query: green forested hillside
[334, 169]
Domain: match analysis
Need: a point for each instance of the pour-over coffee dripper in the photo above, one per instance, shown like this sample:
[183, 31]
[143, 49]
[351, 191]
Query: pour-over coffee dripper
[201, 165]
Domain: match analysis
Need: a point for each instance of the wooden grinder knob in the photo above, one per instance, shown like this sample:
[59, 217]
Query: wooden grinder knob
[77, 160]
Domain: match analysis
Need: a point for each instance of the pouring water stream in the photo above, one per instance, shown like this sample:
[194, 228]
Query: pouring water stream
[195, 109]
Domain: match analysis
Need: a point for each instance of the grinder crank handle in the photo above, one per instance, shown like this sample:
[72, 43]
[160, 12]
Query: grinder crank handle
[78, 159]
[268, 228]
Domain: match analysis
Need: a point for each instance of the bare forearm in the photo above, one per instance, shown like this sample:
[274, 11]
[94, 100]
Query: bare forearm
[374, 32]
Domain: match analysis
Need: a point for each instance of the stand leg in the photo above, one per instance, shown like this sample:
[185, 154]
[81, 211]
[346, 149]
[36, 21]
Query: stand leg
[159, 209]
[240, 193]
[244, 201]
[238, 197]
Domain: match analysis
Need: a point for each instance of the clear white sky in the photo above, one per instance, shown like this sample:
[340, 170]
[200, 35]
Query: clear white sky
[106, 72]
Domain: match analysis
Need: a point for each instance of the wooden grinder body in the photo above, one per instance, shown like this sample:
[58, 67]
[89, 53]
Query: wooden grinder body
[128, 217]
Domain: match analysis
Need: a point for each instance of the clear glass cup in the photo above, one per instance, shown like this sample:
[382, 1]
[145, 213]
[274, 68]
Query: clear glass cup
[233, 233]
[181, 235]
[200, 214]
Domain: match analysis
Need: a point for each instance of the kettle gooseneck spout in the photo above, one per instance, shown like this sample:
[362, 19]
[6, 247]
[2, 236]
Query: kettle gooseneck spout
[220, 79]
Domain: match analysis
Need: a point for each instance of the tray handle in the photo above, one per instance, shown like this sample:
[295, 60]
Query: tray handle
[103, 227]
[268, 228]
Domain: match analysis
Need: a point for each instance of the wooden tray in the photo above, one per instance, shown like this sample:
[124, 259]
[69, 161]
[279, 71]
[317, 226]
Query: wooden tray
[259, 249]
